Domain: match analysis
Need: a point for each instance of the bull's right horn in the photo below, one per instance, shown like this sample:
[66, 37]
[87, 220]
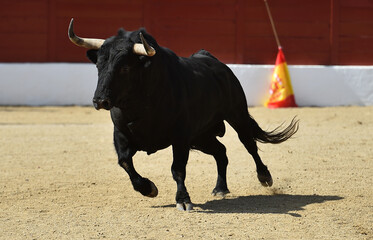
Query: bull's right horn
[91, 43]
[143, 48]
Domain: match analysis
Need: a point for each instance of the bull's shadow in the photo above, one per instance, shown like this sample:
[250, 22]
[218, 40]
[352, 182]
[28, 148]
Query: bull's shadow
[262, 204]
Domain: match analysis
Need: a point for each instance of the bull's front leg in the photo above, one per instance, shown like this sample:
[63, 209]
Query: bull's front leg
[178, 169]
[125, 154]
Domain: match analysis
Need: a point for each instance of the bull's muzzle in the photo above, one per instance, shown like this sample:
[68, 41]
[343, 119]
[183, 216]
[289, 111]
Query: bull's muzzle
[102, 104]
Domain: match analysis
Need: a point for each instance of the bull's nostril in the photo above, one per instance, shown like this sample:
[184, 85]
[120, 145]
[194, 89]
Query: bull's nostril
[102, 103]
[105, 104]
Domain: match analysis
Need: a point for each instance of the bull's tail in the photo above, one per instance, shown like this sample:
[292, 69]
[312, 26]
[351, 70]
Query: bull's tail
[278, 135]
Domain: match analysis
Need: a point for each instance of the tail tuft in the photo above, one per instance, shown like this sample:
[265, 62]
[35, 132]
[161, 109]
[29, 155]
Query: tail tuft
[278, 135]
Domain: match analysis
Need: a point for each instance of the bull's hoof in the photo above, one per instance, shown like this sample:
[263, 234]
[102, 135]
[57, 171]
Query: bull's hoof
[183, 202]
[265, 180]
[184, 206]
[146, 187]
[265, 177]
[220, 192]
[154, 191]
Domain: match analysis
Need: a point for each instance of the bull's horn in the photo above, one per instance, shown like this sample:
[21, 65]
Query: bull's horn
[90, 43]
[143, 48]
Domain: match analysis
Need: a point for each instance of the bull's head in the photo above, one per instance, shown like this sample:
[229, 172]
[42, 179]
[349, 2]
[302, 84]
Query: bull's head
[115, 59]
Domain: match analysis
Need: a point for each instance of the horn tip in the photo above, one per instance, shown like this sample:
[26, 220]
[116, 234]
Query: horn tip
[71, 21]
[71, 28]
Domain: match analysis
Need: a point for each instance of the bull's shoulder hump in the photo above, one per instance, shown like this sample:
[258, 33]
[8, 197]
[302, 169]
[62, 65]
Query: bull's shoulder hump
[203, 53]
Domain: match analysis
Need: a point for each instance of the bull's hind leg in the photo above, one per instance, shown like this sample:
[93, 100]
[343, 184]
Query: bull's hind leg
[125, 154]
[210, 145]
[245, 127]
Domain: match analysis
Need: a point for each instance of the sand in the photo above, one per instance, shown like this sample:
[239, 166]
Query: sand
[59, 179]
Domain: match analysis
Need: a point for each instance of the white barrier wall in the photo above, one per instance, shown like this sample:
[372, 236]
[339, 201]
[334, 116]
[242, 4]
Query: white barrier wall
[74, 84]
[312, 85]
[47, 84]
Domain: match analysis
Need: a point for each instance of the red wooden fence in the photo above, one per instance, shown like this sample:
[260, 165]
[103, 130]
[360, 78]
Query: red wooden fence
[327, 32]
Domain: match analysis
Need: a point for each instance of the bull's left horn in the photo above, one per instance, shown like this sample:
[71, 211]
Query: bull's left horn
[91, 43]
[143, 48]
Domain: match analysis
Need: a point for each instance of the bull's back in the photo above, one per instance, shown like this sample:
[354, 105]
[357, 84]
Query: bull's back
[218, 79]
[211, 91]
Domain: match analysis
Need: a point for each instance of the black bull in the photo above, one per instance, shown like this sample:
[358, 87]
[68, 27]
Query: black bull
[157, 99]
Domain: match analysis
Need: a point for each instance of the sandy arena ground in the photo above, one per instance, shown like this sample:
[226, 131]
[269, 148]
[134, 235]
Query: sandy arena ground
[59, 179]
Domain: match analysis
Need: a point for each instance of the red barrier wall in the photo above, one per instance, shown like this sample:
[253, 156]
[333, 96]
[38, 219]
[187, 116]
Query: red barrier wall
[322, 32]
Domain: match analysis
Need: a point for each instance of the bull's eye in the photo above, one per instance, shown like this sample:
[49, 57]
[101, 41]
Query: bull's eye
[124, 69]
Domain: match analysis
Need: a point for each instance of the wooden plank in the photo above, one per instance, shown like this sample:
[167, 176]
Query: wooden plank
[28, 55]
[148, 12]
[108, 4]
[190, 45]
[360, 46]
[351, 58]
[195, 27]
[359, 3]
[21, 47]
[24, 33]
[334, 31]
[299, 45]
[99, 9]
[240, 31]
[202, 10]
[288, 29]
[52, 31]
[354, 14]
[23, 40]
[196, 3]
[97, 29]
[288, 3]
[298, 51]
[297, 12]
[308, 58]
[358, 29]
[28, 24]
[23, 8]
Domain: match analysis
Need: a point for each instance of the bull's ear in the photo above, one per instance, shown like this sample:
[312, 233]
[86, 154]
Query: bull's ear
[92, 55]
